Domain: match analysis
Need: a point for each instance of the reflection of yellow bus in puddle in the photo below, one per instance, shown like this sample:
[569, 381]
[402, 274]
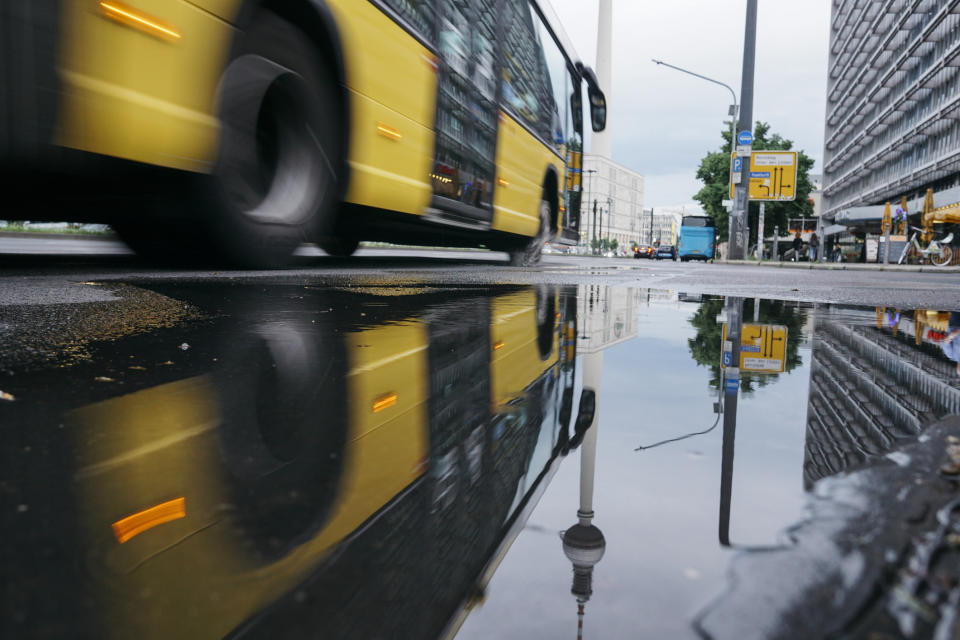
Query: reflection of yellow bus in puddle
[387, 459]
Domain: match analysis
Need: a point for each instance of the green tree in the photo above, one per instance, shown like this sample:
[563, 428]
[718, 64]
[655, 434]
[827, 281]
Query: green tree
[705, 348]
[714, 172]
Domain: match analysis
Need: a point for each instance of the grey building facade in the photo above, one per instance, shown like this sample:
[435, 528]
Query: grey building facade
[618, 193]
[893, 101]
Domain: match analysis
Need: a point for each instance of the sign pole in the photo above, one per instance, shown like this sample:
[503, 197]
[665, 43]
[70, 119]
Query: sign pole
[760, 232]
[730, 379]
[737, 241]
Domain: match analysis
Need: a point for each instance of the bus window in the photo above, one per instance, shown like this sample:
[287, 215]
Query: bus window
[466, 111]
[555, 67]
[696, 221]
[418, 15]
[527, 89]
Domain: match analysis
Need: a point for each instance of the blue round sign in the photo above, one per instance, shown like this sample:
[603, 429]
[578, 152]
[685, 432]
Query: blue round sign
[744, 137]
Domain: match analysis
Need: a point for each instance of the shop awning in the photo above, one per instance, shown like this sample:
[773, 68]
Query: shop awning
[833, 229]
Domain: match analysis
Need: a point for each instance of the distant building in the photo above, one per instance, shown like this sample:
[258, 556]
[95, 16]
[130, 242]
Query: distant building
[816, 194]
[666, 223]
[618, 193]
[893, 102]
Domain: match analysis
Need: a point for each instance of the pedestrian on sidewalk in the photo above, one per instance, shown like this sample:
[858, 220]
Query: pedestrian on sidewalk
[797, 244]
[950, 345]
[814, 246]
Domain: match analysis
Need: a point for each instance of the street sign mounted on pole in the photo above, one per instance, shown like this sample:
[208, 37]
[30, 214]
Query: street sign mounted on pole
[772, 174]
[763, 348]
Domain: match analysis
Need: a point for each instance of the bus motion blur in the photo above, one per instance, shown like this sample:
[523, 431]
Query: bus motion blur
[697, 237]
[237, 129]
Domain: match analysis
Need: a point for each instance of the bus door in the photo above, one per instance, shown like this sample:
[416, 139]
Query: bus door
[573, 185]
[467, 116]
[542, 91]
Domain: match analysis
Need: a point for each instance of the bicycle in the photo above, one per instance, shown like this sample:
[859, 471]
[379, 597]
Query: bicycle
[938, 251]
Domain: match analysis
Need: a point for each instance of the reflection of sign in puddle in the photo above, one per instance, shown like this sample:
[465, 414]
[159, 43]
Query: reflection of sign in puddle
[763, 347]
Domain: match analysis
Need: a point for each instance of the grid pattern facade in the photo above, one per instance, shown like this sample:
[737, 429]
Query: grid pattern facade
[869, 391]
[619, 195]
[893, 100]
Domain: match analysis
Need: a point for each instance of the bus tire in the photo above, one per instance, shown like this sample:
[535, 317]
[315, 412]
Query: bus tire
[283, 429]
[339, 246]
[531, 253]
[154, 241]
[275, 183]
[546, 310]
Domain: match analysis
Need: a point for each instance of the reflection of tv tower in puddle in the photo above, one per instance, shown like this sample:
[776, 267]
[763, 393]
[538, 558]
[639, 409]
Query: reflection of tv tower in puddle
[583, 543]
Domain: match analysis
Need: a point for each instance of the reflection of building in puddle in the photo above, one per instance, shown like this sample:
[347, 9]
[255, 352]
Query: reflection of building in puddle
[874, 382]
[606, 315]
[661, 297]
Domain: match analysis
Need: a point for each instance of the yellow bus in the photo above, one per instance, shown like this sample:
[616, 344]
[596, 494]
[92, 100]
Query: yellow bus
[242, 128]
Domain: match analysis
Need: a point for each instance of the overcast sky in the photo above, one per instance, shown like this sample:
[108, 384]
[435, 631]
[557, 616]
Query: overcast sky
[664, 121]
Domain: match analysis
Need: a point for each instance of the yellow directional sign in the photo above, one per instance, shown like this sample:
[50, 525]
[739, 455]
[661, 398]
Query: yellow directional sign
[773, 174]
[763, 347]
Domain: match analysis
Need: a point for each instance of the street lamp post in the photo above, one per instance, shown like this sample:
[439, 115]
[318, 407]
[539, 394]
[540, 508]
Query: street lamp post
[590, 173]
[600, 234]
[609, 217]
[733, 121]
[733, 108]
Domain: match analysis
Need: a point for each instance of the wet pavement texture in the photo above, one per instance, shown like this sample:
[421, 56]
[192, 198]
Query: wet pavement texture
[237, 459]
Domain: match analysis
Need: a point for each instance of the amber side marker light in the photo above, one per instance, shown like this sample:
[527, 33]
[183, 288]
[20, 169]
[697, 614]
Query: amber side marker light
[388, 132]
[384, 402]
[137, 523]
[497, 346]
[138, 20]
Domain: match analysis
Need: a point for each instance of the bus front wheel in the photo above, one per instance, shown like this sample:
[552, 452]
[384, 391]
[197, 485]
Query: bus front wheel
[530, 254]
[275, 181]
[339, 246]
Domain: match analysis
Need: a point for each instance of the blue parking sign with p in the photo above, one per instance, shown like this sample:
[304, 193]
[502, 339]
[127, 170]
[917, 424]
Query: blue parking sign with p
[727, 358]
[737, 164]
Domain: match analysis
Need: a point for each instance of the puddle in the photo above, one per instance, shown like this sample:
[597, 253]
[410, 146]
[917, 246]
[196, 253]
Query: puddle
[428, 461]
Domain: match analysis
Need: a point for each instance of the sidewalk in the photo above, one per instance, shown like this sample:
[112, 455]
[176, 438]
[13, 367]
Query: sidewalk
[845, 266]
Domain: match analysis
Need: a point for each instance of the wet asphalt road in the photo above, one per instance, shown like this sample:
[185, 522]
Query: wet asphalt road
[42, 269]
[387, 446]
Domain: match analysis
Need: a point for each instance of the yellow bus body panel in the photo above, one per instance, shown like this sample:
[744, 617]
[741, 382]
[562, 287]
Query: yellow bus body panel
[161, 443]
[393, 92]
[515, 361]
[134, 95]
[522, 162]
[386, 363]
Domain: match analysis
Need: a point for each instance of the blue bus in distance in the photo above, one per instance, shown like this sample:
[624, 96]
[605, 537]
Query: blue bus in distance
[697, 237]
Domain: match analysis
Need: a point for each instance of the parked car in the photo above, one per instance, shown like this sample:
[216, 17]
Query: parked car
[644, 251]
[667, 251]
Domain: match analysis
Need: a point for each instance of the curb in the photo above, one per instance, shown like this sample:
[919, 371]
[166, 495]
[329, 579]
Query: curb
[43, 234]
[840, 266]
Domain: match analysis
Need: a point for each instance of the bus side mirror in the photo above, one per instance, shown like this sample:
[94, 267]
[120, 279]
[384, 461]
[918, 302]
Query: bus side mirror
[598, 110]
[588, 409]
[598, 102]
[576, 108]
